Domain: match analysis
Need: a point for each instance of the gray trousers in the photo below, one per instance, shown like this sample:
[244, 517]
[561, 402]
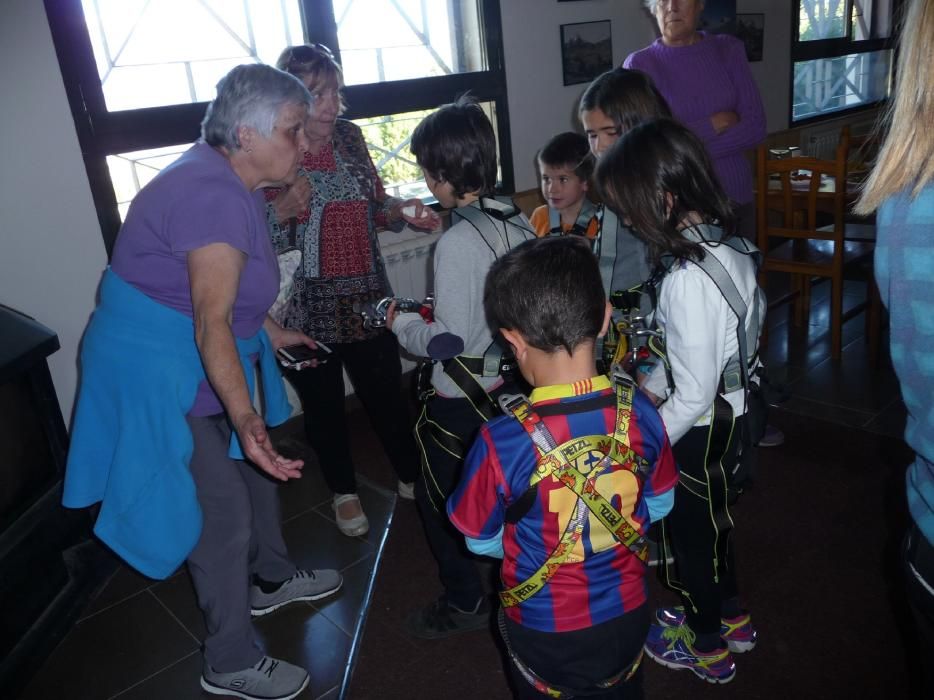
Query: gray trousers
[241, 536]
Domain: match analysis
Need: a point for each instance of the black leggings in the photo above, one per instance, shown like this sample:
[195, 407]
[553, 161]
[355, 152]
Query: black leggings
[699, 528]
[457, 567]
[376, 372]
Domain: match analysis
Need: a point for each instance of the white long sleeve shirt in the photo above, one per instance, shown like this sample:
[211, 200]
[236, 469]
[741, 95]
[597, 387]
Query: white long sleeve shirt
[700, 338]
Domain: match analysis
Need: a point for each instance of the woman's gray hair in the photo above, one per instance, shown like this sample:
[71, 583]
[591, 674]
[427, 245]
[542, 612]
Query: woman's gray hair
[250, 95]
[652, 5]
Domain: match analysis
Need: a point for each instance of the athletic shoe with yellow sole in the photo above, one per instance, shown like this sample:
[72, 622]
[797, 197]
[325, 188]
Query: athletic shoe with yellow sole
[738, 633]
[673, 647]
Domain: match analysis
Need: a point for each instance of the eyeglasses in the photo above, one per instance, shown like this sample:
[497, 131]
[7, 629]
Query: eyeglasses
[305, 54]
[322, 48]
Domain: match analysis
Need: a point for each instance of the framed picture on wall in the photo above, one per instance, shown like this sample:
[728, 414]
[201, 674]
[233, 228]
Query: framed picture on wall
[718, 17]
[750, 29]
[586, 51]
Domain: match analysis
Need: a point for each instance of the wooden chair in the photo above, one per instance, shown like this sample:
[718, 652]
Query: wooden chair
[793, 241]
[528, 200]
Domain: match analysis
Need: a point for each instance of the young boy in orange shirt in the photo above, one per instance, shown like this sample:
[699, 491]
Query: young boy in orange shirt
[565, 164]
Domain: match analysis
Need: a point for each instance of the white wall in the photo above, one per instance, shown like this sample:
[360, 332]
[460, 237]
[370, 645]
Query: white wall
[540, 105]
[773, 72]
[51, 250]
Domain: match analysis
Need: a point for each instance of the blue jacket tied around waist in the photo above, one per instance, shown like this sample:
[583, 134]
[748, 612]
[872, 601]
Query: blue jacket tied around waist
[130, 444]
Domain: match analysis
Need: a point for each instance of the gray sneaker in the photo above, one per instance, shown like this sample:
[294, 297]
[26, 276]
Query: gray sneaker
[304, 585]
[270, 679]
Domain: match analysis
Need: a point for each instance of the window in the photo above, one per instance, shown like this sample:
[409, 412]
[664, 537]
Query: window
[139, 73]
[842, 56]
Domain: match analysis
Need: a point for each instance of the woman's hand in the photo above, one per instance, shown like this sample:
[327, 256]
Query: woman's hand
[293, 200]
[721, 121]
[258, 448]
[281, 337]
[421, 216]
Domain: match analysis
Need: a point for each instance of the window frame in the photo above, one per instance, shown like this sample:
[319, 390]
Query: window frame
[102, 133]
[834, 48]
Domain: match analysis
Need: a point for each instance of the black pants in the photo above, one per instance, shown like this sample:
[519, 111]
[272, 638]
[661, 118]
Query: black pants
[918, 563]
[699, 528]
[582, 658]
[376, 372]
[457, 568]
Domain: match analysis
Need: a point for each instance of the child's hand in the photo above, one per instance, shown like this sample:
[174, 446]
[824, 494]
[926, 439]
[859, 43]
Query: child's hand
[656, 400]
[391, 314]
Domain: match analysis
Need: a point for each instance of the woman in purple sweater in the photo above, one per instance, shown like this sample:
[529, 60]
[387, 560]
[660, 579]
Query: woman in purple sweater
[706, 80]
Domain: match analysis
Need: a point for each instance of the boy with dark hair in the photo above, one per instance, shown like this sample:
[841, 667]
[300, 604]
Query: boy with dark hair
[564, 486]
[456, 148]
[565, 165]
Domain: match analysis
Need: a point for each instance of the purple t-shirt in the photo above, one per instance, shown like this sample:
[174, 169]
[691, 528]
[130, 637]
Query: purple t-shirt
[196, 201]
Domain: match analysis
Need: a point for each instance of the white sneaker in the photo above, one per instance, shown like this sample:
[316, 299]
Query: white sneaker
[352, 527]
[270, 679]
[406, 491]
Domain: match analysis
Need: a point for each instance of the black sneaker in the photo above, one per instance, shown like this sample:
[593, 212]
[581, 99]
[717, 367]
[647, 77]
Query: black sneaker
[443, 619]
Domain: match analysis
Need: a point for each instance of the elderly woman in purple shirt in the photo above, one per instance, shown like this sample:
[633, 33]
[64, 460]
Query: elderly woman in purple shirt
[167, 368]
[707, 82]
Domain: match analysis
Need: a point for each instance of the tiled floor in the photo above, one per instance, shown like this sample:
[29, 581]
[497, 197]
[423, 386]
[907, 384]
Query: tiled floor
[140, 639]
[851, 392]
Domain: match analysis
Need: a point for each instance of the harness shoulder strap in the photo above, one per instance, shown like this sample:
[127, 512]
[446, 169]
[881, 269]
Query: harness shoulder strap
[467, 382]
[584, 217]
[554, 222]
[485, 228]
[553, 461]
[747, 334]
[606, 248]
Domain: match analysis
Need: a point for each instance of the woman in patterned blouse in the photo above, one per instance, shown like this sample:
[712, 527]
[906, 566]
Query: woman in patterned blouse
[331, 213]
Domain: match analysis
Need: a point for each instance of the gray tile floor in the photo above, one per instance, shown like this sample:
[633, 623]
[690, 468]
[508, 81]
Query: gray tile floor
[140, 638]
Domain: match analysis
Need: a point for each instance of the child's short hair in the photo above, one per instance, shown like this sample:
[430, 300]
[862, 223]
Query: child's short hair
[456, 144]
[568, 150]
[628, 97]
[549, 290]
